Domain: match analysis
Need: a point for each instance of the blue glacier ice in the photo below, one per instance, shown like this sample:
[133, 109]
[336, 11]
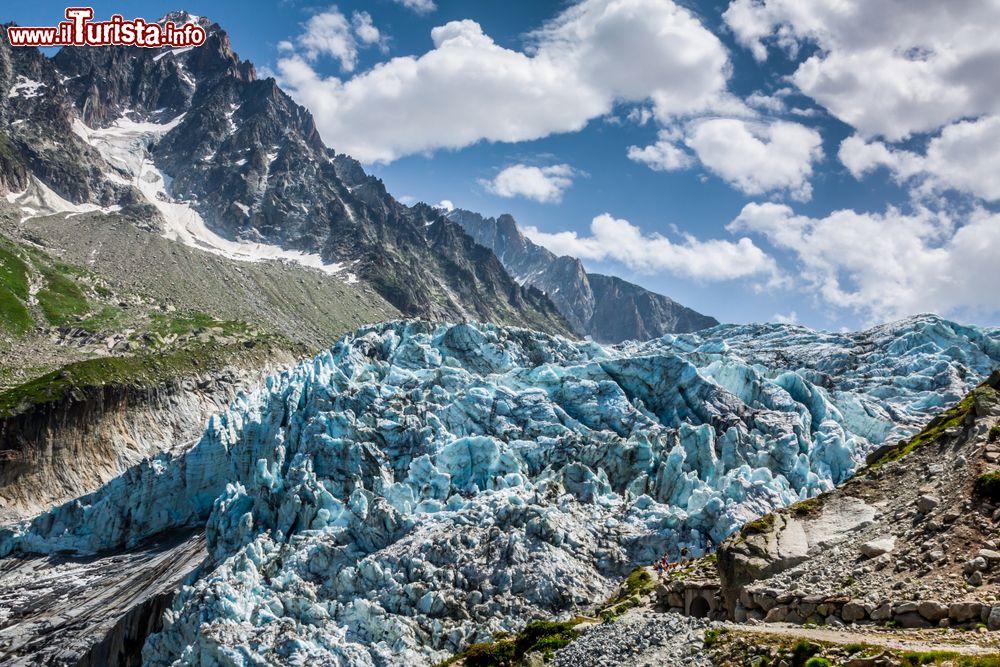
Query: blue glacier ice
[421, 486]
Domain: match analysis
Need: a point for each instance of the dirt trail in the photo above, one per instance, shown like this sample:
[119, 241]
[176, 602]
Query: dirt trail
[965, 643]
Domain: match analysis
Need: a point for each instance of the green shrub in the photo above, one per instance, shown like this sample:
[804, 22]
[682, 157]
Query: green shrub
[61, 300]
[492, 654]
[988, 486]
[545, 637]
[14, 314]
[994, 433]
[713, 635]
[818, 661]
[950, 418]
[758, 526]
[802, 652]
[916, 659]
[851, 649]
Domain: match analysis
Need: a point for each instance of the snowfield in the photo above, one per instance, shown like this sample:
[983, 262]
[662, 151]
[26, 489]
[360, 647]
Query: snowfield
[125, 146]
[419, 487]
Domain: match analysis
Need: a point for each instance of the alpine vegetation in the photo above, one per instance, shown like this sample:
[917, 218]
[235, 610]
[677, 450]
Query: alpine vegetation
[420, 487]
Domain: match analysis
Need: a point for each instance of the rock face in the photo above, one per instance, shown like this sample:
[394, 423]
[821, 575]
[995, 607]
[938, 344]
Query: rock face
[419, 487]
[192, 143]
[55, 451]
[607, 309]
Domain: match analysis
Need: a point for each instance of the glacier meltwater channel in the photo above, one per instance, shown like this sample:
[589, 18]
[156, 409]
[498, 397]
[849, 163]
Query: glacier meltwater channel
[420, 486]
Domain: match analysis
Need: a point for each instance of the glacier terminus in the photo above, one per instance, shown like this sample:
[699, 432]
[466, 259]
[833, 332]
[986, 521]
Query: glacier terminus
[422, 486]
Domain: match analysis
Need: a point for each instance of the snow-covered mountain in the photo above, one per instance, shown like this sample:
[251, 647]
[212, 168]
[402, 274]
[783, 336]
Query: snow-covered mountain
[420, 487]
[192, 143]
[606, 308]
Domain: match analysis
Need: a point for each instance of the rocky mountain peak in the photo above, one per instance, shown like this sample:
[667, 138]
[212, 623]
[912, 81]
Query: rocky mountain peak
[233, 164]
[604, 308]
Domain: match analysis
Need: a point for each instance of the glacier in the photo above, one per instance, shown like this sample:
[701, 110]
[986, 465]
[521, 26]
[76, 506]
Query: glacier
[421, 486]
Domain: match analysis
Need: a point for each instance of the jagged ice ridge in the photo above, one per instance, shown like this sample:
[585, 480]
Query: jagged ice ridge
[419, 487]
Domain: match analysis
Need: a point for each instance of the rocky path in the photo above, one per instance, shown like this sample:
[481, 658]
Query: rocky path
[965, 643]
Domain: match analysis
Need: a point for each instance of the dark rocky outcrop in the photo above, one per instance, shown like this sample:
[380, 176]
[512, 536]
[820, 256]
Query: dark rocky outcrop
[94, 610]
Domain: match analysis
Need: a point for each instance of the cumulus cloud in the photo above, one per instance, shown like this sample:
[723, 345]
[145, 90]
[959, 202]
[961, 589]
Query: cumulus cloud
[963, 157]
[468, 88]
[446, 205]
[329, 33]
[891, 68]
[663, 155]
[419, 6]
[755, 157]
[619, 240]
[758, 157]
[542, 184]
[790, 318]
[365, 28]
[887, 265]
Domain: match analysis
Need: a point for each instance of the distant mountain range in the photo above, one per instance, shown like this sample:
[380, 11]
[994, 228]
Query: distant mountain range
[606, 308]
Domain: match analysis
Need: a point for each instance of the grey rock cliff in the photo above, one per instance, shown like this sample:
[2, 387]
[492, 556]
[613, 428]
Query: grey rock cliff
[607, 309]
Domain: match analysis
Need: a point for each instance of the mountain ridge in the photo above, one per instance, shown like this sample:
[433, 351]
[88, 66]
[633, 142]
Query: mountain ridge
[233, 165]
[606, 308]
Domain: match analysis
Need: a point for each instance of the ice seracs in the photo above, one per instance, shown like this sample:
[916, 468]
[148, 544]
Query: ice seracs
[419, 486]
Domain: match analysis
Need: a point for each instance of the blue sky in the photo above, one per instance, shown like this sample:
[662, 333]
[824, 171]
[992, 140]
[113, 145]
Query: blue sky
[831, 163]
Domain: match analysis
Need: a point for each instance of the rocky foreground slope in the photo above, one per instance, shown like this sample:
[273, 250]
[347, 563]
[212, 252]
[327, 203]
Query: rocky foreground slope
[422, 487]
[911, 540]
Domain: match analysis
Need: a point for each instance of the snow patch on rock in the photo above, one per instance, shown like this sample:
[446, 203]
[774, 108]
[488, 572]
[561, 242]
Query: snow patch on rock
[125, 147]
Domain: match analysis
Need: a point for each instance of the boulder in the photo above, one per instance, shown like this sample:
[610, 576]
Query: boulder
[989, 555]
[776, 614]
[927, 502]
[883, 612]
[932, 610]
[877, 547]
[764, 600]
[993, 620]
[977, 564]
[914, 620]
[963, 612]
[854, 611]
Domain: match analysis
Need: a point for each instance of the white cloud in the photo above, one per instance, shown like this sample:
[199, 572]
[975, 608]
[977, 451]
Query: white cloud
[542, 184]
[887, 265]
[963, 157]
[754, 157]
[757, 157]
[620, 240]
[446, 205]
[468, 88]
[419, 6]
[329, 33]
[790, 318]
[365, 28]
[890, 68]
[664, 155]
